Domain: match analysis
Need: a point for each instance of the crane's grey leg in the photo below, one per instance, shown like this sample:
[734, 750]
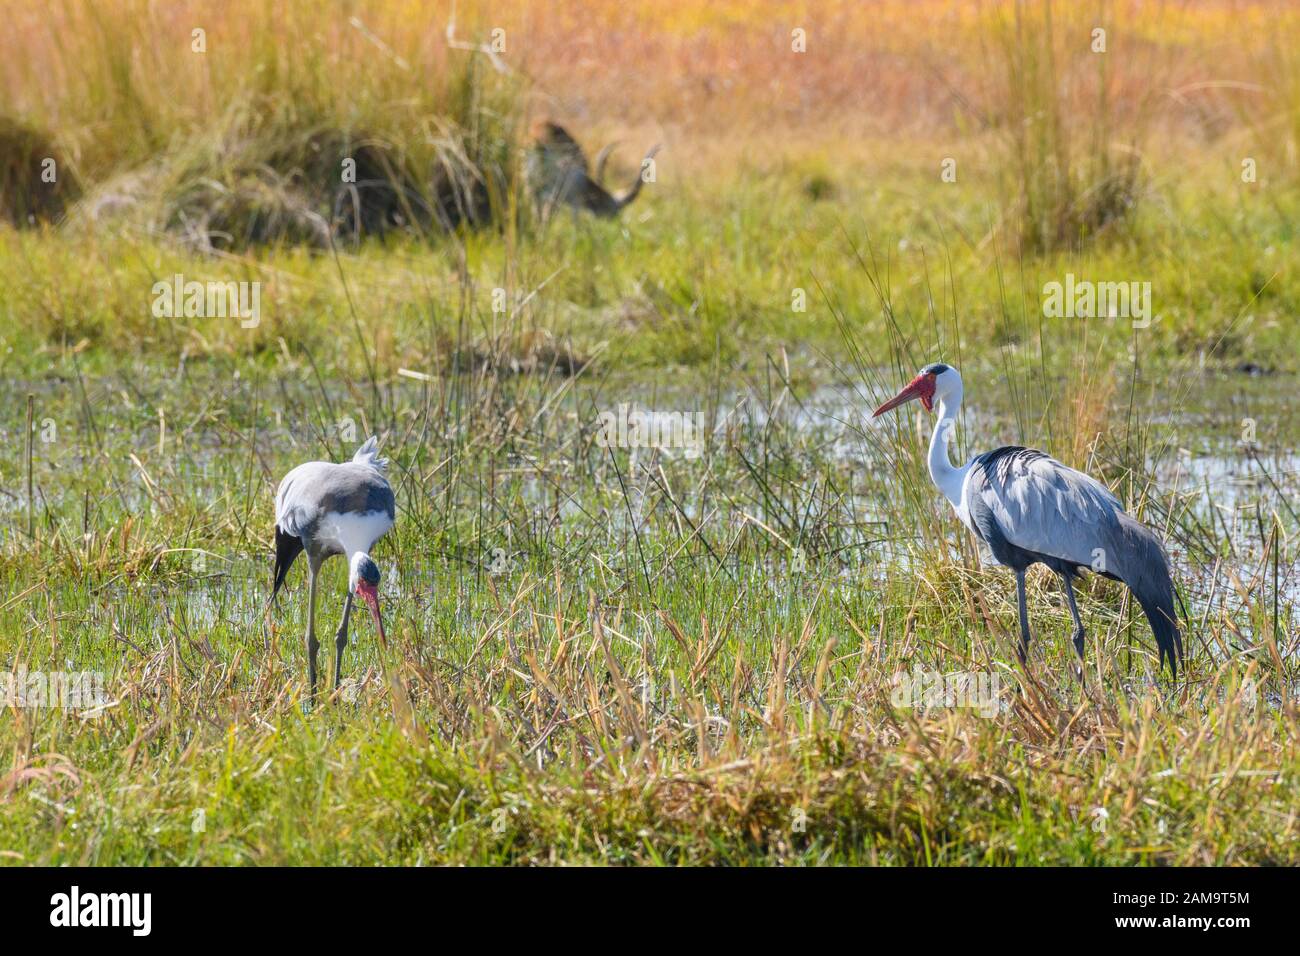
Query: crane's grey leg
[1078, 625]
[341, 640]
[312, 644]
[1024, 615]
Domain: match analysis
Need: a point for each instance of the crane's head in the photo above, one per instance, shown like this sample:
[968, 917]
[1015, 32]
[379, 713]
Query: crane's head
[935, 380]
[363, 580]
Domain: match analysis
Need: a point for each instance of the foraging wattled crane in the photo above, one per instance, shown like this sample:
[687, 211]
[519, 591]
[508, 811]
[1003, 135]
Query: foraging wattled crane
[1029, 508]
[326, 509]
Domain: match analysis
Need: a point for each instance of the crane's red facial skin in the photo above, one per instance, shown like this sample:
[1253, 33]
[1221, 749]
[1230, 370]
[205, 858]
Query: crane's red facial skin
[370, 594]
[921, 387]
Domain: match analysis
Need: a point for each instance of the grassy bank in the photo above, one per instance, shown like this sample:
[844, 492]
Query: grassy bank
[748, 264]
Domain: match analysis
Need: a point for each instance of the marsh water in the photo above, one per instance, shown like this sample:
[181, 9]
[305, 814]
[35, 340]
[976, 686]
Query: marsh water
[1212, 462]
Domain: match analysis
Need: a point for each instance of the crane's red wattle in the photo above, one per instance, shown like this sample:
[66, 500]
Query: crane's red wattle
[370, 593]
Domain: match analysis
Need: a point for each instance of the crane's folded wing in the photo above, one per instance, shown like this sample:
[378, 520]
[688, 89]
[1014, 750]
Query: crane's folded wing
[1043, 506]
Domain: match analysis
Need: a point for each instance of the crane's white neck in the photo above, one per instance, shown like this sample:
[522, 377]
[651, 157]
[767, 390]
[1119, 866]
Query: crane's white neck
[945, 476]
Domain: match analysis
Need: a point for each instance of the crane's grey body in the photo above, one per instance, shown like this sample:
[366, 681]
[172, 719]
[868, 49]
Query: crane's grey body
[314, 496]
[1020, 501]
[324, 509]
[1028, 508]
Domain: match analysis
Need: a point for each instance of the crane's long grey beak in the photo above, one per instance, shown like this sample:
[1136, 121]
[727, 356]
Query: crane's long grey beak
[371, 595]
[910, 391]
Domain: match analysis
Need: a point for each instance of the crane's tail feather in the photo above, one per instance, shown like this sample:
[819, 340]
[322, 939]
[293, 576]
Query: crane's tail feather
[1160, 615]
[1146, 572]
[287, 549]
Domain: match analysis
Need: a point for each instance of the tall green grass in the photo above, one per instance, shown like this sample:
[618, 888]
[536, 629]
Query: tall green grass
[1072, 139]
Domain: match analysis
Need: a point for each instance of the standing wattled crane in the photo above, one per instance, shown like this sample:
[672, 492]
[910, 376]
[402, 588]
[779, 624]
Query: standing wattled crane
[1029, 508]
[327, 509]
